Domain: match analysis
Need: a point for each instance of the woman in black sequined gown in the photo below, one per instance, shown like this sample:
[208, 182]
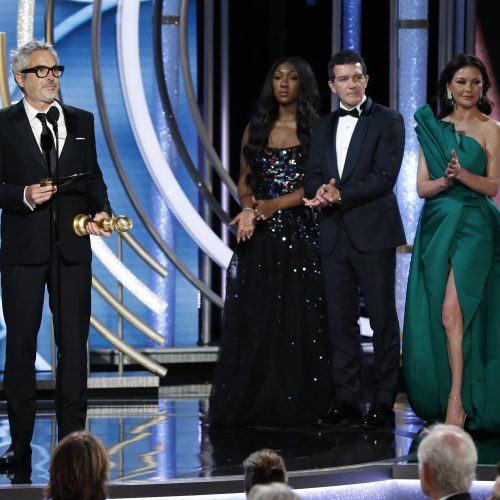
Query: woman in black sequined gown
[273, 367]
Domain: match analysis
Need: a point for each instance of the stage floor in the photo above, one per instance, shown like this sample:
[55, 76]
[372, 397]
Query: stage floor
[163, 441]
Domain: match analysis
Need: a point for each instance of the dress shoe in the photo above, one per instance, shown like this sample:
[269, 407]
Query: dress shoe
[341, 413]
[16, 457]
[379, 415]
[20, 476]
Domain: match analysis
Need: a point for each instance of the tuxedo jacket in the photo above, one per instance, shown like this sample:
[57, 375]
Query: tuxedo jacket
[369, 208]
[26, 235]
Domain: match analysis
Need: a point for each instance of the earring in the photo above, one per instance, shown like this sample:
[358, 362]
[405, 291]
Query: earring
[449, 98]
[480, 101]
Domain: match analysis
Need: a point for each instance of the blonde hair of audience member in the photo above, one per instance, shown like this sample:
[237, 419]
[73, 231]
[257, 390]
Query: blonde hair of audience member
[495, 494]
[262, 467]
[447, 459]
[272, 491]
[78, 468]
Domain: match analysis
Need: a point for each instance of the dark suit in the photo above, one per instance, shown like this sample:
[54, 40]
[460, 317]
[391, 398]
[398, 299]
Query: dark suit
[460, 496]
[31, 243]
[357, 243]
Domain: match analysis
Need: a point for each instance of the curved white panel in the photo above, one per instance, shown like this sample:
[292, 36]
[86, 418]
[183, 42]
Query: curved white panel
[145, 134]
[131, 282]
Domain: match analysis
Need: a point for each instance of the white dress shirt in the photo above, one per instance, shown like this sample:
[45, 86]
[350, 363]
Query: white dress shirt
[36, 127]
[345, 129]
[36, 124]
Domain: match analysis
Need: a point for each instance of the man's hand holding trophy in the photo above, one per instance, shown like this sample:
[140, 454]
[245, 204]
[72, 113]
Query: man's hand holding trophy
[119, 223]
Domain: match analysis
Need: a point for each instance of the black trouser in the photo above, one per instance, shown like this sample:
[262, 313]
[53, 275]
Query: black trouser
[346, 270]
[23, 289]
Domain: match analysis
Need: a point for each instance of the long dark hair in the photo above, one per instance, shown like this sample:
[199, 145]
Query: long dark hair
[268, 107]
[458, 62]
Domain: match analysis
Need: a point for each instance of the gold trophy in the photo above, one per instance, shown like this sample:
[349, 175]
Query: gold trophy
[120, 223]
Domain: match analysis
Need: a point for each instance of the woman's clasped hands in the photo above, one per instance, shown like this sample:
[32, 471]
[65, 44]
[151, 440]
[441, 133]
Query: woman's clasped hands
[246, 224]
[246, 219]
[453, 169]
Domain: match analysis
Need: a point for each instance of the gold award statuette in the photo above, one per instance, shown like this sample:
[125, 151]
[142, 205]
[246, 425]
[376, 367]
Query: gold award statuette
[120, 223]
[47, 182]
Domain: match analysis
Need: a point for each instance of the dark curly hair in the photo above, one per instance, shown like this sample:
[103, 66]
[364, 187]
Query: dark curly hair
[267, 112]
[458, 62]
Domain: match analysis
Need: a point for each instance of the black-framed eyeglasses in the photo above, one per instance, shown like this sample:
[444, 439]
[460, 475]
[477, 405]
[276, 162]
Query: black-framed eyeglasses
[43, 71]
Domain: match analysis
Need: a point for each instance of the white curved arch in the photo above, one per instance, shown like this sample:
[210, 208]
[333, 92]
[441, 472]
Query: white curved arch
[128, 279]
[145, 135]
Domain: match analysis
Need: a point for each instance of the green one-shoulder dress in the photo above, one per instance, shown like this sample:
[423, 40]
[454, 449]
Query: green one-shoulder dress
[458, 228]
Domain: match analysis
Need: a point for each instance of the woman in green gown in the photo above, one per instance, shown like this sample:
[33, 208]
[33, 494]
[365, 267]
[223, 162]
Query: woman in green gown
[451, 343]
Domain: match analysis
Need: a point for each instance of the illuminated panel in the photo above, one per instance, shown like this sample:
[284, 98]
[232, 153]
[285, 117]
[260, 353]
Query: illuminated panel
[25, 21]
[412, 84]
[351, 25]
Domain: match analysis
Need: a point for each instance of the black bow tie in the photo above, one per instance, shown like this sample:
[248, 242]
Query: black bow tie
[353, 112]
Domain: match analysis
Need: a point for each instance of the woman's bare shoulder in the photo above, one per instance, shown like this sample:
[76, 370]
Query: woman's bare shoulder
[491, 129]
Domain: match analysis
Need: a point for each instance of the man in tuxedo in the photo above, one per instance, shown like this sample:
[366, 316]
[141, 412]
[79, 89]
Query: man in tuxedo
[447, 459]
[354, 159]
[39, 247]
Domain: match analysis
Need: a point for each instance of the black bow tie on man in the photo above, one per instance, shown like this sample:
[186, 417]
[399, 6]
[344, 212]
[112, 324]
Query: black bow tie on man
[352, 112]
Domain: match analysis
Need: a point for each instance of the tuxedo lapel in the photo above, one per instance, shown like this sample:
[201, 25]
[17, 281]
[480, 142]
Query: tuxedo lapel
[22, 125]
[70, 121]
[357, 139]
[331, 145]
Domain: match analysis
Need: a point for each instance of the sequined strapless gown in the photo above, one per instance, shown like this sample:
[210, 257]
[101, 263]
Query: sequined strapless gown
[273, 367]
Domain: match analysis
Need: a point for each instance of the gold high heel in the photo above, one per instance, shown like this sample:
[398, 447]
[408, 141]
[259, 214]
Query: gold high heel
[465, 414]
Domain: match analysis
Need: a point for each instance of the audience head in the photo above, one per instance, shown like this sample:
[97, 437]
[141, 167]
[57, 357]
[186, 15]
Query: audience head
[447, 460]
[263, 467]
[78, 469]
[495, 494]
[272, 491]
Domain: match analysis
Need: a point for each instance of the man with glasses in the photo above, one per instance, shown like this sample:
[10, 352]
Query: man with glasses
[41, 138]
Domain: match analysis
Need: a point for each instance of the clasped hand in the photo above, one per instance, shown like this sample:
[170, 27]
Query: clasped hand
[246, 219]
[326, 195]
[453, 169]
[246, 225]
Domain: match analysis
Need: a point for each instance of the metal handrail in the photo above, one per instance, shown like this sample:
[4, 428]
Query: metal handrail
[4, 79]
[144, 254]
[128, 350]
[125, 313]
